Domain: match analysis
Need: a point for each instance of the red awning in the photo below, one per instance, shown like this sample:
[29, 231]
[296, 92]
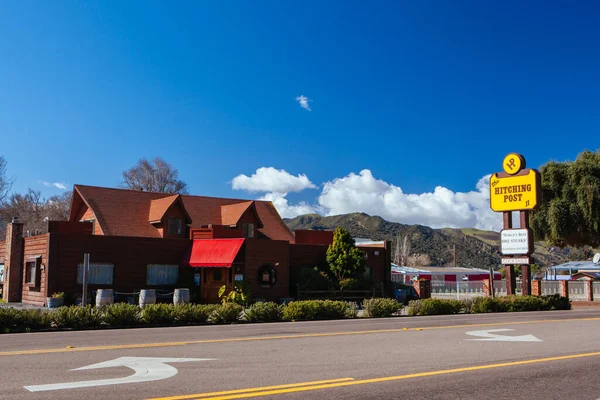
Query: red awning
[214, 252]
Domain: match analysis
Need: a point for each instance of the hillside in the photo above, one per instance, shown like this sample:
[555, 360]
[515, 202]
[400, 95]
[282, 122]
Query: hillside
[474, 247]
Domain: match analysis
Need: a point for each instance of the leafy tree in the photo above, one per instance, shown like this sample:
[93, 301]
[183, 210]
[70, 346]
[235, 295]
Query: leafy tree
[570, 209]
[154, 176]
[346, 261]
[240, 294]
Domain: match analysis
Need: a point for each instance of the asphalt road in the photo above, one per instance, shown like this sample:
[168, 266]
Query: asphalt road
[549, 355]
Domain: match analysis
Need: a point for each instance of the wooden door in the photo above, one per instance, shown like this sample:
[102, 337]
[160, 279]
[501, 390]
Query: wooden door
[213, 280]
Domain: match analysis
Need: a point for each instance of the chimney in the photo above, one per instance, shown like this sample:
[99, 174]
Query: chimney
[13, 261]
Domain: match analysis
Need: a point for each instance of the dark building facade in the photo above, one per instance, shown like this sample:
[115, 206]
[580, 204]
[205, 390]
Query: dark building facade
[140, 240]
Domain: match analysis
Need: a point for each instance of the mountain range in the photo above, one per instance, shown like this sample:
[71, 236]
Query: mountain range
[474, 248]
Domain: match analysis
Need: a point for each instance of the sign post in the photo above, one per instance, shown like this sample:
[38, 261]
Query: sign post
[86, 266]
[517, 188]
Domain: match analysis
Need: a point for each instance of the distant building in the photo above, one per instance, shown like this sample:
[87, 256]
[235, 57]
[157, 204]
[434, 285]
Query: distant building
[440, 274]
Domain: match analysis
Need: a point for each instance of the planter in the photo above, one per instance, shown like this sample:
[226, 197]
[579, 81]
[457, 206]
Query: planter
[54, 302]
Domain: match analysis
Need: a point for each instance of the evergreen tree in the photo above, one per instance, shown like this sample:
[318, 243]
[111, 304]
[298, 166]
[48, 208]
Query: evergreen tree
[346, 261]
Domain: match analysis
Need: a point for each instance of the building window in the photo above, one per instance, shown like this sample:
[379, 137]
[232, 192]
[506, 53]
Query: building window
[267, 275]
[248, 229]
[217, 275]
[98, 274]
[1, 272]
[31, 271]
[93, 221]
[159, 274]
[174, 226]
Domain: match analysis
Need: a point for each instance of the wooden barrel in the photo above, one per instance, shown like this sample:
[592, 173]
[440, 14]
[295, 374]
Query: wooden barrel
[147, 296]
[104, 297]
[181, 296]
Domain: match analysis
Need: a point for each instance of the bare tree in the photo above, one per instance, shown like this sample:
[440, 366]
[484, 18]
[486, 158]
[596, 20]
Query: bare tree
[154, 176]
[401, 251]
[405, 251]
[34, 211]
[5, 182]
[397, 251]
[58, 208]
[419, 260]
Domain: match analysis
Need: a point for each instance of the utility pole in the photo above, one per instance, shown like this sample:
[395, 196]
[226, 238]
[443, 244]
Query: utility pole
[454, 251]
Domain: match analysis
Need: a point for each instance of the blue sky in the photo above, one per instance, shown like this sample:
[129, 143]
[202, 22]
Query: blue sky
[421, 94]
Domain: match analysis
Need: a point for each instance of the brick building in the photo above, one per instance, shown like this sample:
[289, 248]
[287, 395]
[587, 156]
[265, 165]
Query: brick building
[141, 240]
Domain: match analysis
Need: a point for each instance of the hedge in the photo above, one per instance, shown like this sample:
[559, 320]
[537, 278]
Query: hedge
[123, 315]
[381, 307]
[479, 305]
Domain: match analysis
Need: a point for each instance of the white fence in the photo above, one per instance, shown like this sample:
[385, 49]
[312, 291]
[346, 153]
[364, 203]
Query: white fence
[578, 290]
[463, 290]
[456, 290]
[550, 287]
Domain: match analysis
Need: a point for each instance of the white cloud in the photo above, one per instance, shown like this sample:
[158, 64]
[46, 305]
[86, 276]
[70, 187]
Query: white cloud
[58, 185]
[285, 209]
[362, 192]
[438, 209]
[303, 101]
[269, 179]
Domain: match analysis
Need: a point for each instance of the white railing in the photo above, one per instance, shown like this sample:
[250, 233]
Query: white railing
[458, 290]
[550, 287]
[500, 288]
[596, 289]
[577, 290]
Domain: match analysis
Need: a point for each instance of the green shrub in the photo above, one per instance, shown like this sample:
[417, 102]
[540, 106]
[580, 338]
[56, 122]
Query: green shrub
[434, 306]
[381, 307]
[488, 305]
[121, 315]
[76, 317]
[318, 309]
[193, 313]
[519, 303]
[263, 312]
[9, 318]
[34, 319]
[158, 314]
[479, 305]
[227, 313]
[556, 302]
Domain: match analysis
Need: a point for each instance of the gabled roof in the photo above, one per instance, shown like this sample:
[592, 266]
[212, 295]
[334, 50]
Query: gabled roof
[159, 207]
[231, 214]
[121, 212]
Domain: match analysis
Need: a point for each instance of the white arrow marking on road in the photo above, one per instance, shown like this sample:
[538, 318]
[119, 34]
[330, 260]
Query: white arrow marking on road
[146, 369]
[488, 336]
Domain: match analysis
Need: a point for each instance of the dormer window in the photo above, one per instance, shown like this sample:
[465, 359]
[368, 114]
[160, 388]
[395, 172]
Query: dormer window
[248, 229]
[174, 226]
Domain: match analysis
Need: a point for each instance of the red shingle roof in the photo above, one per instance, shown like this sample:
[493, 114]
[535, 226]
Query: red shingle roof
[159, 207]
[122, 212]
[231, 214]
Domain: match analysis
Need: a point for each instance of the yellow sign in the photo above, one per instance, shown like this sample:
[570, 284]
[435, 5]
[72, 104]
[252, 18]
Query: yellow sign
[515, 192]
[513, 163]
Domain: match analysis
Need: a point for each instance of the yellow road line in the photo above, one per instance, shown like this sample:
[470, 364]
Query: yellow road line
[255, 389]
[298, 336]
[90, 348]
[251, 393]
